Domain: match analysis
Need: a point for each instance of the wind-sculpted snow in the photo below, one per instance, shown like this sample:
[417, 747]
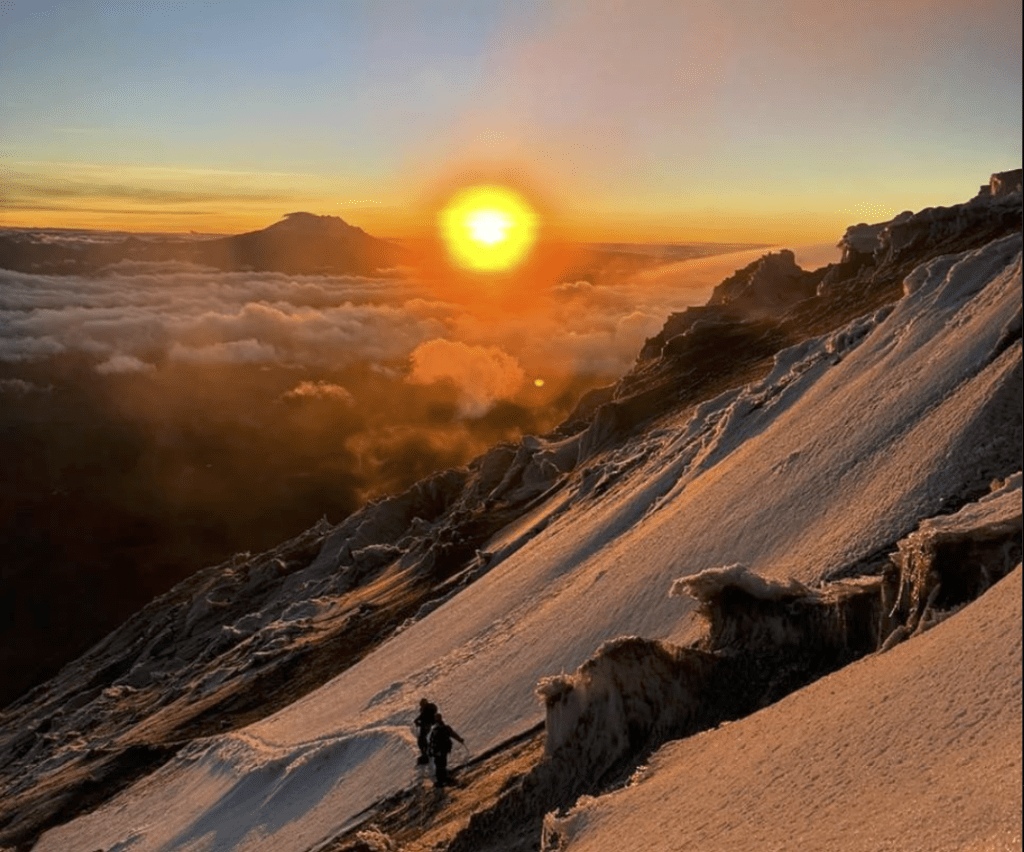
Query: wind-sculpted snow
[950, 560]
[707, 584]
[764, 638]
[816, 456]
[916, 750]
[619, 698]
[243, 793]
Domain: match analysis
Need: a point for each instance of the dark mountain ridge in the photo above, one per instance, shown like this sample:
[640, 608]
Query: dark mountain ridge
[301, 243]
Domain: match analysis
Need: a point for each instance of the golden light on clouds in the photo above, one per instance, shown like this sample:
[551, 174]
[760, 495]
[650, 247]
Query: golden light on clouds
[488, 228]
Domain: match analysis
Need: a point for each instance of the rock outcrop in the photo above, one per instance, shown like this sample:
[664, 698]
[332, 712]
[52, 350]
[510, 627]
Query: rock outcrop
[1001, 183]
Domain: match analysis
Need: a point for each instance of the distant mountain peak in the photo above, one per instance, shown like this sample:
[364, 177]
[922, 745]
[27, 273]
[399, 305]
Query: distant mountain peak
[304, 242]
[312, 224]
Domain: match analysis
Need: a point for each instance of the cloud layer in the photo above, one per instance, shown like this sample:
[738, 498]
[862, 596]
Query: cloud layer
[482, 374]
[143, 316]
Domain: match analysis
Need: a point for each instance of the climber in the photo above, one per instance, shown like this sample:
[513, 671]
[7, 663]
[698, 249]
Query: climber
[441, 736]
[424, 722]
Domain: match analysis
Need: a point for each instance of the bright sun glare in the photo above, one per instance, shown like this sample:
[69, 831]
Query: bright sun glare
[488, 228]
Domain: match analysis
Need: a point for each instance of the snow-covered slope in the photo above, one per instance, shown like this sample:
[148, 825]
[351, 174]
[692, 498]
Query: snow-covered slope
[916, 750]
[804, 471]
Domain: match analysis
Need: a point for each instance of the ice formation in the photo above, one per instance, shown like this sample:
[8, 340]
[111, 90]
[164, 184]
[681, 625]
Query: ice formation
[916, 749]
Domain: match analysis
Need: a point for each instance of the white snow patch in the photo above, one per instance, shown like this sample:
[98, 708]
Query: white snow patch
[707, 584]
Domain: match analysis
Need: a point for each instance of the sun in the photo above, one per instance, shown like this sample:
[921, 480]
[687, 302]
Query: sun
[488, 228]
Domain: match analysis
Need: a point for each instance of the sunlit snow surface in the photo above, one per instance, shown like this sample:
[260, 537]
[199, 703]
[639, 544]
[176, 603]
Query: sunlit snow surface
[887, 755]
[839, 452]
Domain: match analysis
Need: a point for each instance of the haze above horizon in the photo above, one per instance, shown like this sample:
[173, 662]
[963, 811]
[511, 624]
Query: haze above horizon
[732, 121]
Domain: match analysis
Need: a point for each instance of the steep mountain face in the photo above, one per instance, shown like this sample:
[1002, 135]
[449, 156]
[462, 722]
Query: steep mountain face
[299, 243]
[830, 460]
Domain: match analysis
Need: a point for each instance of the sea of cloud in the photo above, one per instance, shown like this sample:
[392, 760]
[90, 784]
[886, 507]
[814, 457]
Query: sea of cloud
[364, 358]
[367, 355]
[139, 317]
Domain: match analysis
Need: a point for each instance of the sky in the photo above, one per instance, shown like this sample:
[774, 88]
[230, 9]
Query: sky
[769, 121]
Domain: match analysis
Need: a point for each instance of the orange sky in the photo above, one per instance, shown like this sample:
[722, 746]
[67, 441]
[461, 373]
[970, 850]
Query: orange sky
[656, 120]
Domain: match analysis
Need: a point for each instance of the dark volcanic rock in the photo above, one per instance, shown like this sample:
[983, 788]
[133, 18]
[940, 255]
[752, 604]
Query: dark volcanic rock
[765, 287]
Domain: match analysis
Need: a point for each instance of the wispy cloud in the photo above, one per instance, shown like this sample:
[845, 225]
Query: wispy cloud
[322, 390]
[82, 167]
[173, 194]
[26, 188]
[37, 206]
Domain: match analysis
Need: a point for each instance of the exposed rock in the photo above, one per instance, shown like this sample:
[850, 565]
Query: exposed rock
[887, 250]
[907, 235]
[1001, 183]
[764, 288]
[860, 241]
